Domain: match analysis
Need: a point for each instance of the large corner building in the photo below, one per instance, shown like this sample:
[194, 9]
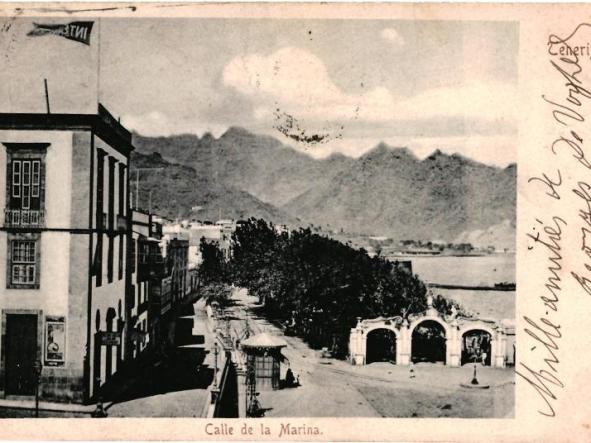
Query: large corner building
[64, 217]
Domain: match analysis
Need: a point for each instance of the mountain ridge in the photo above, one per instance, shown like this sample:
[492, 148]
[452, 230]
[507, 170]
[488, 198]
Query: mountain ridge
[175, 189]
[386, 191]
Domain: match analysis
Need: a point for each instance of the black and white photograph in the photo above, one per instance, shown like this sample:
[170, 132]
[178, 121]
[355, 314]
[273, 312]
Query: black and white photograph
[220, 217]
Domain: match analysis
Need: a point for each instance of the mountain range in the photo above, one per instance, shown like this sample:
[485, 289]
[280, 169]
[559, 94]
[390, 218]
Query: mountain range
[387, 191]
[174, 191]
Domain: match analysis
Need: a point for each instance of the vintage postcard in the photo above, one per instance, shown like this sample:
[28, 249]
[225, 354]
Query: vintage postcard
[311, 222]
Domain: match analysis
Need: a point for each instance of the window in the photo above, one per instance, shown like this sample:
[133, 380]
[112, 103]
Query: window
[100, 221]
[110, 258]
[16, 179]
[122, 211]
[98, 260]
[121, 243]
[144, 252]
[131, 254]
[23, 263]
[35, 179]
[100, 188]
[111, 219]
[26, 184]
[111, 202]
[131, 296]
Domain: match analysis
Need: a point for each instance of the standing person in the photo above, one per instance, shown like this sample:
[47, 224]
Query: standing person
[289, 378]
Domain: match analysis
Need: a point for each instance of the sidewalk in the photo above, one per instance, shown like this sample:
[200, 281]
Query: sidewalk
[179, 387]
[176, 386]
[187, 403]
[27, 408]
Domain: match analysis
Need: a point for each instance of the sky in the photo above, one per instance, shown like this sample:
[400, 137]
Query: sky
[424, 85]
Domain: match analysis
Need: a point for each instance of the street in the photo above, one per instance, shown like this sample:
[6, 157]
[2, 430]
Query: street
[335, 388]
[328, 387]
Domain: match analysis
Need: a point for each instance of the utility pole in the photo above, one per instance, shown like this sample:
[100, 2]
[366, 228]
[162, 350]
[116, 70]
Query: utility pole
[46, 96]
[137, 184]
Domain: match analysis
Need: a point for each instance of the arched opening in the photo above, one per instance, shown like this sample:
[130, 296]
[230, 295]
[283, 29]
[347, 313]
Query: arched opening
[381, 346]
[476, 347]
[111, 315]
[428, 342]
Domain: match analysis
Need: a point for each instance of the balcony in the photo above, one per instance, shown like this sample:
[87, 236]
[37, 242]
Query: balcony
[24, 218]
[161, 295]
[121, 223]
[151, 270]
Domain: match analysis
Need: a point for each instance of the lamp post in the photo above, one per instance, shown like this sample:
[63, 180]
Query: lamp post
[474, 379]
[37, 367]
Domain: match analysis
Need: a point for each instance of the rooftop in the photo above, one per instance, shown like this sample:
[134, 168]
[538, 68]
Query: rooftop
[102, 123]
[264, 340]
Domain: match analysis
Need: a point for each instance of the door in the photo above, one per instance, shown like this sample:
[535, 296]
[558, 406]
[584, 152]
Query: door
[21, 353]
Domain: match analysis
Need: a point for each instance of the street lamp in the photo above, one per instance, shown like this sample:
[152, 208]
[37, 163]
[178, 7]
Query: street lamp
[37, 367]
[474, 379]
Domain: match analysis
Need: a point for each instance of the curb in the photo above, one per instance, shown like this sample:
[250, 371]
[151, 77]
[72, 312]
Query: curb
[48, 407]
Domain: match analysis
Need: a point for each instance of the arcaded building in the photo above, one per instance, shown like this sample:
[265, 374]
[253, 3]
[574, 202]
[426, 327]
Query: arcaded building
[63, 231]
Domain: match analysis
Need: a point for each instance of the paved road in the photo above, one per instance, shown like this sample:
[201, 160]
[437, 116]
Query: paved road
[186, 393]
[334, 388]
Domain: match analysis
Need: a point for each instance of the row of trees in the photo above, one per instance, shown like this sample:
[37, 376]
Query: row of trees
[315, 285]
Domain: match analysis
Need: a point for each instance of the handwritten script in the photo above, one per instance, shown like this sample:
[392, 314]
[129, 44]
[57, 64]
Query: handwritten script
[547, 235]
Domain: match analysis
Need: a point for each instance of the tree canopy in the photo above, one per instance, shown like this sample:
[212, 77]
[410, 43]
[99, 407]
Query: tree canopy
[316, 285]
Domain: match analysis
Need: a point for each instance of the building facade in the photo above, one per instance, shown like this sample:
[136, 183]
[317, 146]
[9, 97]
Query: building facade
[178, 262]
[63, 235]
[147, 270]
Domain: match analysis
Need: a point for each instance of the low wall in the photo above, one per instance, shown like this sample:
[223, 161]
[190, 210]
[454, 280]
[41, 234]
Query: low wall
[223, 392]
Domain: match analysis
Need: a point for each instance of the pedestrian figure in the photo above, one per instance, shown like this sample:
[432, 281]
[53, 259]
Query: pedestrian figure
[289, 378]
[412, 370]
[100, 411]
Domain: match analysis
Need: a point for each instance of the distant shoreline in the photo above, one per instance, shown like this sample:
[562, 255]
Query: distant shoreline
[408, 254]
[501, 287]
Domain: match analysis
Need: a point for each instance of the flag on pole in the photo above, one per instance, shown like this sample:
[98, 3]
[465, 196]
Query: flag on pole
[77, 31]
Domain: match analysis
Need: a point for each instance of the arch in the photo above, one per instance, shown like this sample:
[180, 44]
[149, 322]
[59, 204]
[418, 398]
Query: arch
[110, 317]
[476, 345]
[381, 345]
[430, 346]
[476, 326]
[434, 318]
[383, 326]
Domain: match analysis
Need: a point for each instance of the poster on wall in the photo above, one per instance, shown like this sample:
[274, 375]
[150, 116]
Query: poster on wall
[55, 341]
